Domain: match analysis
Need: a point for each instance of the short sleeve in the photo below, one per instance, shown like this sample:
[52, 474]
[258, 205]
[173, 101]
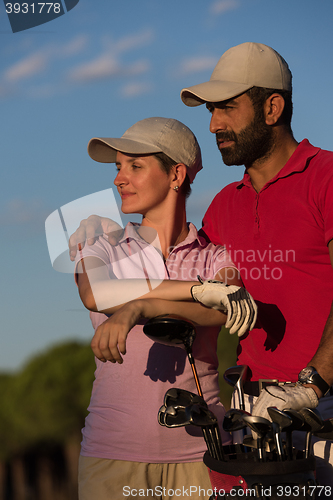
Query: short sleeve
[221, 259]
[98, 250]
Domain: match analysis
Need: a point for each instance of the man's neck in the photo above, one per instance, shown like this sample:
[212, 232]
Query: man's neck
[264, 169]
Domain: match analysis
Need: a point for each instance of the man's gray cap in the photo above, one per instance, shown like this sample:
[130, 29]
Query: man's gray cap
[240, 68]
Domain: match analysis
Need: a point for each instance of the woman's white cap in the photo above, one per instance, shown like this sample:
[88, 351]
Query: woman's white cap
[149, 136]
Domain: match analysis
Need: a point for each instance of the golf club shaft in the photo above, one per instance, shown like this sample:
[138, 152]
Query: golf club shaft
[208, 442]
[195, 374]
[218, 441]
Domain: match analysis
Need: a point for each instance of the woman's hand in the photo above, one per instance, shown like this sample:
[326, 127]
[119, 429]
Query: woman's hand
[109, 341]
[90, 229]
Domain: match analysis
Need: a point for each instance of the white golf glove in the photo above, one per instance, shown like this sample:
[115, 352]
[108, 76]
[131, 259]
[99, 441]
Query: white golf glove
[233, 300]
[283, 397]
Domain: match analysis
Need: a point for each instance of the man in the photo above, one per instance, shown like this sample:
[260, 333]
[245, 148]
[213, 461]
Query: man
[277, 224]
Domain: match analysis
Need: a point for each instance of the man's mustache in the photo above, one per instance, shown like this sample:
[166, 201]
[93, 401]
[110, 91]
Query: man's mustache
[225, 136]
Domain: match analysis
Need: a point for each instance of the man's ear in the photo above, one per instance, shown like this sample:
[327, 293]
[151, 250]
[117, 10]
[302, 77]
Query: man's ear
[273, 108]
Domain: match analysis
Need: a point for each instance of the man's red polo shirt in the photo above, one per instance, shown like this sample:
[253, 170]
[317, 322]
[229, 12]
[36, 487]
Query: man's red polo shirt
[278, 239]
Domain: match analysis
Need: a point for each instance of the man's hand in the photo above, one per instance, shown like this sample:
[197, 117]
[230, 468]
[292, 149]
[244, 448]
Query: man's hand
[233, 300]
[283, 397]
[90, 229]
[109, 341]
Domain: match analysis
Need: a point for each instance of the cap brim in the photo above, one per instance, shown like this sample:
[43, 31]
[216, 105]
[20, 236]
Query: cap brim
[212, 91]
[104, 149]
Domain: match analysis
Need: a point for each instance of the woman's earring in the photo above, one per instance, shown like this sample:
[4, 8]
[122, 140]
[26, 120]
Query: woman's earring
[176, 188]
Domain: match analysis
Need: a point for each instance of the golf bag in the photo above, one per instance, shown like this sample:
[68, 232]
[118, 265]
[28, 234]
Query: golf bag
[235, 472]
[241, 476]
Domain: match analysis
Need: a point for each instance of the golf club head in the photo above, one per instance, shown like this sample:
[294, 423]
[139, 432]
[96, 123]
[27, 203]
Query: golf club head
[326, 432]
[260, 425]
[175, 417]
[234, 419]
[279, 417]
[312, 423]
[313, 418]
[200, 415]
[182, 398]
[161, 414]
[297, 424]
[235, 376]
[296, 417]
[171, 331]
[280, 422]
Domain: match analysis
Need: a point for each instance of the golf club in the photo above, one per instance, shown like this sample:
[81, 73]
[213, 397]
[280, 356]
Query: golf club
[234, 420]
[182, 398]
[161, 415]
[280, 421]
[201, 416]
[314, 421]
[178, 417]
[174, 332]
[235, 376]
[261, 426]
[297, 425]
[326, 432]
[172, 417]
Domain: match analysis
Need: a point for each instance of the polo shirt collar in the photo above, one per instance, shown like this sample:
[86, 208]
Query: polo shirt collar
[192, 236]
[130, 232]
[296, 163]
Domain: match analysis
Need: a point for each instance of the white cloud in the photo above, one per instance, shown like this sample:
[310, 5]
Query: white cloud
[75, 46]
[197, 64]
[135, 89]
[222, 6]
[106, 66]
[138, 68]
[132, 42]
[37, 62]
[26, 68]
[101, 67]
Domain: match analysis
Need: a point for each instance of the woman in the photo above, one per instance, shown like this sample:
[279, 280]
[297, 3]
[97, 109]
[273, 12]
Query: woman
[151, 271]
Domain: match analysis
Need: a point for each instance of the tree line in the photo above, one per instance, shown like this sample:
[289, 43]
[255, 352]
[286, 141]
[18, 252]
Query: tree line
[42, 411]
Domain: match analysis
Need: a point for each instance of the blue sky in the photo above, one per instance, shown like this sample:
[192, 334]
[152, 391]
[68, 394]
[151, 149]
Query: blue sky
[94, 72]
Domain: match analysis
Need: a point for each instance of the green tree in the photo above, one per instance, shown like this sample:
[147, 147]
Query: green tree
[47, 400]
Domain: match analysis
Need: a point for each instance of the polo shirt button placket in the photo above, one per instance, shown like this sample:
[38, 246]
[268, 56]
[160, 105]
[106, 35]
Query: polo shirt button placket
[256, 218]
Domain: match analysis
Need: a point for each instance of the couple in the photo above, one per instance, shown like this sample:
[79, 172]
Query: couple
[284, 202]
[123, 445]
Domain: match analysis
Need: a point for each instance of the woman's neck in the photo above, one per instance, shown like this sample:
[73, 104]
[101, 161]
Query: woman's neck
[171, 229]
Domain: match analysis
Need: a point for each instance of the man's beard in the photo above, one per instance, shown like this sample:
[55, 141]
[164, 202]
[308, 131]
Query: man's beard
[254, 142]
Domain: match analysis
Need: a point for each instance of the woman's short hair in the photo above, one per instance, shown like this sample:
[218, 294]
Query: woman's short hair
[166, 165]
